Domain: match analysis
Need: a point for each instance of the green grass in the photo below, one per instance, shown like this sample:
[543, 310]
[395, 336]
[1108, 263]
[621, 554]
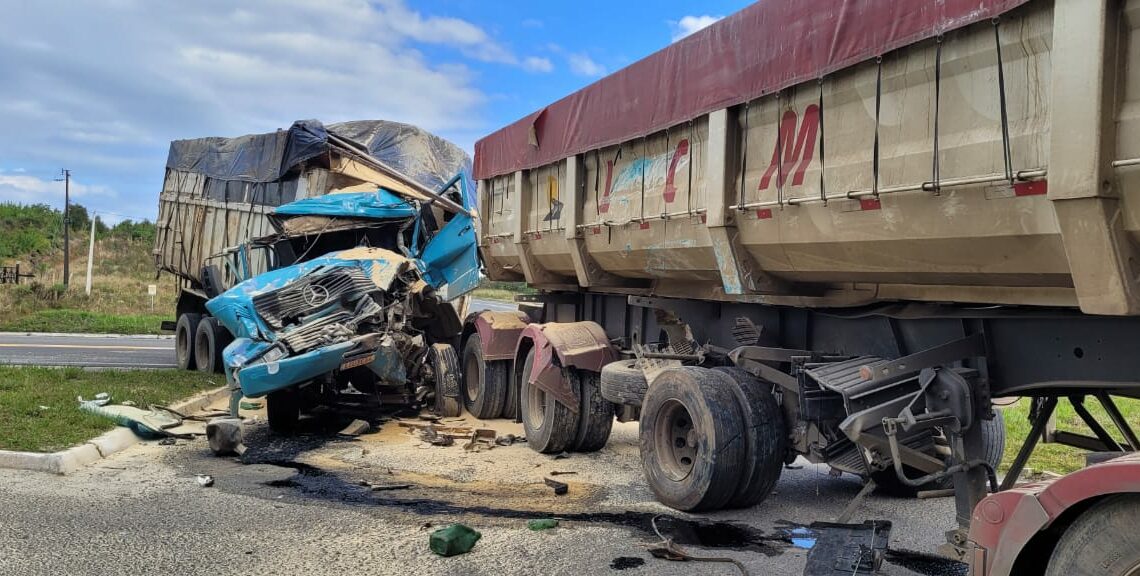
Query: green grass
[1056, 457]
[505, 291]
[82, 321]
[59, 423]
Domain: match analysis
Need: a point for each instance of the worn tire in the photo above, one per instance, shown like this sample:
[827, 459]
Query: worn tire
[765, 438]
[550, 427]
[622, 382]
[595, 414]
[1102, 541]
[484, 382]
[991, 446]
[210, 338]
[444, 364]
[514, 389]
[283, 407]
[692, 439]
[184, 332]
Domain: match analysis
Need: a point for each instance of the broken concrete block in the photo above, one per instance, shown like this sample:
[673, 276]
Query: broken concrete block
[224, 436]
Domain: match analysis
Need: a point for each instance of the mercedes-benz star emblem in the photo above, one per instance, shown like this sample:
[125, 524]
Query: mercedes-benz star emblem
[315, 295]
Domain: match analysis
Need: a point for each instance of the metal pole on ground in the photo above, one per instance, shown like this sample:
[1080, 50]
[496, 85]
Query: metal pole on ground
[90, 254]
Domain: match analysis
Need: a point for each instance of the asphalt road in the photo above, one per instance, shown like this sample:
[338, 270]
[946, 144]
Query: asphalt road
[105, 351]
[297, 506]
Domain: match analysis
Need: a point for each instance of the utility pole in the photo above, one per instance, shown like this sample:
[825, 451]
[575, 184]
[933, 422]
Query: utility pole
[66, 226]
[90, 254]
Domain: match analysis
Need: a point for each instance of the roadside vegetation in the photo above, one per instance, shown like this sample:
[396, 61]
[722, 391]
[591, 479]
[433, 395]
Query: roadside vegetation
[505, 291]
[39, 411]
[1056, 457]
[123, 267]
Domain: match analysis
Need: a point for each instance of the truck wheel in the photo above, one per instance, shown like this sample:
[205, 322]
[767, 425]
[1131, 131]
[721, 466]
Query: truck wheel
[514, 389]
[210, 338]
[692, 445]
[444, 364]
[549, 426]
[596, 415]
[184, 332]
[764, 437]
[991, 448]
[484, 382]
[284, 410]
[624, 383]
[1103, 541]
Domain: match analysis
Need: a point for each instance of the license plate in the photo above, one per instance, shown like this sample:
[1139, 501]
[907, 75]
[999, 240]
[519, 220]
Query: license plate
[358, 361]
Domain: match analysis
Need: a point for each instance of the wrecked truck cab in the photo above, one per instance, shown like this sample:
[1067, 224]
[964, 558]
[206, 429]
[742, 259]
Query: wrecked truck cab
[371, 317]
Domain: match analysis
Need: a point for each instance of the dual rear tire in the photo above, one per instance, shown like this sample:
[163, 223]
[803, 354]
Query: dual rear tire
[551, 427]
[710, 439]
[198, 343]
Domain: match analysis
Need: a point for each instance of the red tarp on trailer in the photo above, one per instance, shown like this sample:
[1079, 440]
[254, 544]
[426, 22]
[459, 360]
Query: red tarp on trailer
[766, 47]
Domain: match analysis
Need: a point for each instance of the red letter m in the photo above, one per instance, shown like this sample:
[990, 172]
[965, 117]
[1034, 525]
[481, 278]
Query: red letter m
[797, 148]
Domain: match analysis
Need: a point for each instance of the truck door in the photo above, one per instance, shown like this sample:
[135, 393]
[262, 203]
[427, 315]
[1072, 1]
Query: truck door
[450, 259]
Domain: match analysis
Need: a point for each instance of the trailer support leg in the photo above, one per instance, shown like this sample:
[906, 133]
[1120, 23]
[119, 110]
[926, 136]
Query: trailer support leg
[1044, 413]
[1118, 420]
[1110, 443]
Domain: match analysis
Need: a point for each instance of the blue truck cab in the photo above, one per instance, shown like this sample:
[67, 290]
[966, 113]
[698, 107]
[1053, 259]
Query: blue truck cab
[359, 304]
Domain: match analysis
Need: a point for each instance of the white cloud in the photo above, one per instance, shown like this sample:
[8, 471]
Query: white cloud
[26, 189]
[536, 64]
[164, 71]
[582, 65]
[689, 24]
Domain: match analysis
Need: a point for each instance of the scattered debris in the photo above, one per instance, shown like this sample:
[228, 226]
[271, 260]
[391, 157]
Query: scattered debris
[542, 524]
[481, 439]
[150, 425]
[627, 562]
[944, 493]
[430, 435]
[560, 456]
[560, 488]
[386, 487]
[224, 436]
[355, 428]
[508, 439]
[847, 548]
[168, 441]
[668, 550]
[383, 487]
[205, 480]
[560, 473]
[44, 407]
[429, 417]
[454, 539]
[251, 404]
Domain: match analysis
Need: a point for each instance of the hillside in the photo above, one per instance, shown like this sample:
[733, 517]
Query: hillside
[123, 267]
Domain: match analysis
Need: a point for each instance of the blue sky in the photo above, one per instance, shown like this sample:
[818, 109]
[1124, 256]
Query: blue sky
[101, 87]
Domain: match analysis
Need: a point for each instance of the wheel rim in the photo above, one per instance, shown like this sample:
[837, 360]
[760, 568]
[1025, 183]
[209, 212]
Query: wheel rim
[471, 376]
[1134, 571]
[536, 406]
[675, 440]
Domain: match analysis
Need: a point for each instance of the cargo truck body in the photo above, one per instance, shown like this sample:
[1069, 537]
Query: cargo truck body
[833, 230]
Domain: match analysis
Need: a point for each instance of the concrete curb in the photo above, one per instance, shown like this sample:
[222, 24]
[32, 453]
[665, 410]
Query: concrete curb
[85, 335]
[76, 457]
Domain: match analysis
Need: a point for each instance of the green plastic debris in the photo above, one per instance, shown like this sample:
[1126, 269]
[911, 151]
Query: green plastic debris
[454, 539]
[542, 524]
[250, 405]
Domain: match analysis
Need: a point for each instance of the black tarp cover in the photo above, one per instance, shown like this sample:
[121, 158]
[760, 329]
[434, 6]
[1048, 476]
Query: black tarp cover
[412, 151]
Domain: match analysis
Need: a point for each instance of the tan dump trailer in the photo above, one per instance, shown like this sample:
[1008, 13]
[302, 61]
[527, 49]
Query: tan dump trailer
[835, 229]
[213, 211]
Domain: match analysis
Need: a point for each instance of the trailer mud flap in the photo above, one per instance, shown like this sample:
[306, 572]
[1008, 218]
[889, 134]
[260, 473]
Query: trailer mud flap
[558, 346]
[499, 332]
